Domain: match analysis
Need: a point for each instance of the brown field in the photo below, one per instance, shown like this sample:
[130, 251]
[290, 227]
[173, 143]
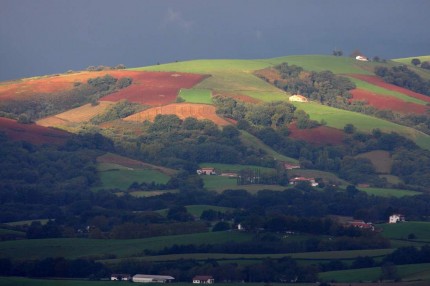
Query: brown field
[182, 110]
[76, 115]
[149, 88]
[240, 97]
[320, 135]
[32, 133]
[155, 88]
[387, 102]
[131, 163]
[380, 159]
[270, 74]
[379, 82]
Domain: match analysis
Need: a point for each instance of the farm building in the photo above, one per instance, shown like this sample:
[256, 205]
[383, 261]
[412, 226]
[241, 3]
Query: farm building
[289, 166]
[120, 277]
[143, 278]
[361, 58]
[298, 98]
[297, 180]
[229, 174]
[203, 279]
[395, 218]
[361, 224]
[206, 171]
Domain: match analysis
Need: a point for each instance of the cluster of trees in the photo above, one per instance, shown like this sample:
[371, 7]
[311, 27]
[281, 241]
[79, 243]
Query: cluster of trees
[119, 110]
[104, 68]
[404, 77]
[424, 65]
[42, 105]
[325, 87]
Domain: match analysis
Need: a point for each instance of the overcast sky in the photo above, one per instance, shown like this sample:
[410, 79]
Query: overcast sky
[40, 37]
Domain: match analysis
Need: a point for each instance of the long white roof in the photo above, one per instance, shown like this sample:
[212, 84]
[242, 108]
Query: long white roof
[153, 276]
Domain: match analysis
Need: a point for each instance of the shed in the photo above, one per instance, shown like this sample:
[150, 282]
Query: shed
[145, 278]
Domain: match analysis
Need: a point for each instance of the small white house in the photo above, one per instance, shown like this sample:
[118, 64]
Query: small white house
[144, 278]
[361, 58]
[395, 218]
[203, 279]
[120, 277]
[296, 180]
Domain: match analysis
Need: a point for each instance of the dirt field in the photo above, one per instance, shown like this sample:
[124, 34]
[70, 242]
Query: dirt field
[182, 110]
[320, 135]
[149, 88]
[155, 88]
[32, 133]
[379, 82]
[76, 115]
[387, 102]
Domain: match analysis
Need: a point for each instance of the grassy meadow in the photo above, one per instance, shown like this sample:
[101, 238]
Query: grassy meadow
[115, 176]
[196, 95]
[72, 248]
[388, 192]
[402, 230]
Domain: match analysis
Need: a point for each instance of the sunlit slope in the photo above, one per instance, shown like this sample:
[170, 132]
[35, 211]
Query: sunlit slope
[409, 59]
[236, 76]
[338, 118]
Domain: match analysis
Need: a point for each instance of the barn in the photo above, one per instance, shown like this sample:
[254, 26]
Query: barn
[144, 278]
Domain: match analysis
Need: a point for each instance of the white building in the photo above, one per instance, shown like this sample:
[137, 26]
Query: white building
[395, 218]
[203, 279]
[143, 278]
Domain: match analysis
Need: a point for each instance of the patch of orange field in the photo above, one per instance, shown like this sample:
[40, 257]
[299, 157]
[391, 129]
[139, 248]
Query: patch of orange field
[240, 97]
[77, 115]
[32, 133]
[387, 102]
[131, 163]
[182, 110]
[321, 135]
[270, 74]
[379, 82]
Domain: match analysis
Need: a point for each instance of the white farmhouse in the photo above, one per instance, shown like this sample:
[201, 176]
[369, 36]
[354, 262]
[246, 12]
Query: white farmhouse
[395, 218]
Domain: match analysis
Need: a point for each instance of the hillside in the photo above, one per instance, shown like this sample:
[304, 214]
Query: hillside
[207, 167]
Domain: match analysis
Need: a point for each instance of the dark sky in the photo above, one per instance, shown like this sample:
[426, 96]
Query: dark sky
[40, 37]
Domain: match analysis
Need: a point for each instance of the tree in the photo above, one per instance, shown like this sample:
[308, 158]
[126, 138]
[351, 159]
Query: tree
[337, 53]
[416, 62]
[349, 128]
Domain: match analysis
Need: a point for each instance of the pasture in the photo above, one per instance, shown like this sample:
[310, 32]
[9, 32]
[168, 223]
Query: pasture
[115, 176]
[412, 272]
[197, 210]
[380, 159]
[401, 230]
[72, 248]
[250, 140]
[388, 192]
[196, 95]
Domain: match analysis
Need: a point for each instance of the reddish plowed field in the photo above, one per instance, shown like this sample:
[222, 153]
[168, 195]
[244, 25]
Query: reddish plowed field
[155, 88]
[320, 135]
[387, 102]
[379, 82]
[148, 88]
[32, 133]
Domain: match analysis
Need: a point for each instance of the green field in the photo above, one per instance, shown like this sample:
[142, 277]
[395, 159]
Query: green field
[196, 95]
[197, 210]
[402, 230]
[27, 222]
[114, 176]
[385, 192]
[250, 140]
[234, 167]
[411, 272]
[338, 118]
[101, 248]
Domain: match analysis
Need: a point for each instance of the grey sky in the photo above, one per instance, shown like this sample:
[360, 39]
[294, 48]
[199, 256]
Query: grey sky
[51, 36]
